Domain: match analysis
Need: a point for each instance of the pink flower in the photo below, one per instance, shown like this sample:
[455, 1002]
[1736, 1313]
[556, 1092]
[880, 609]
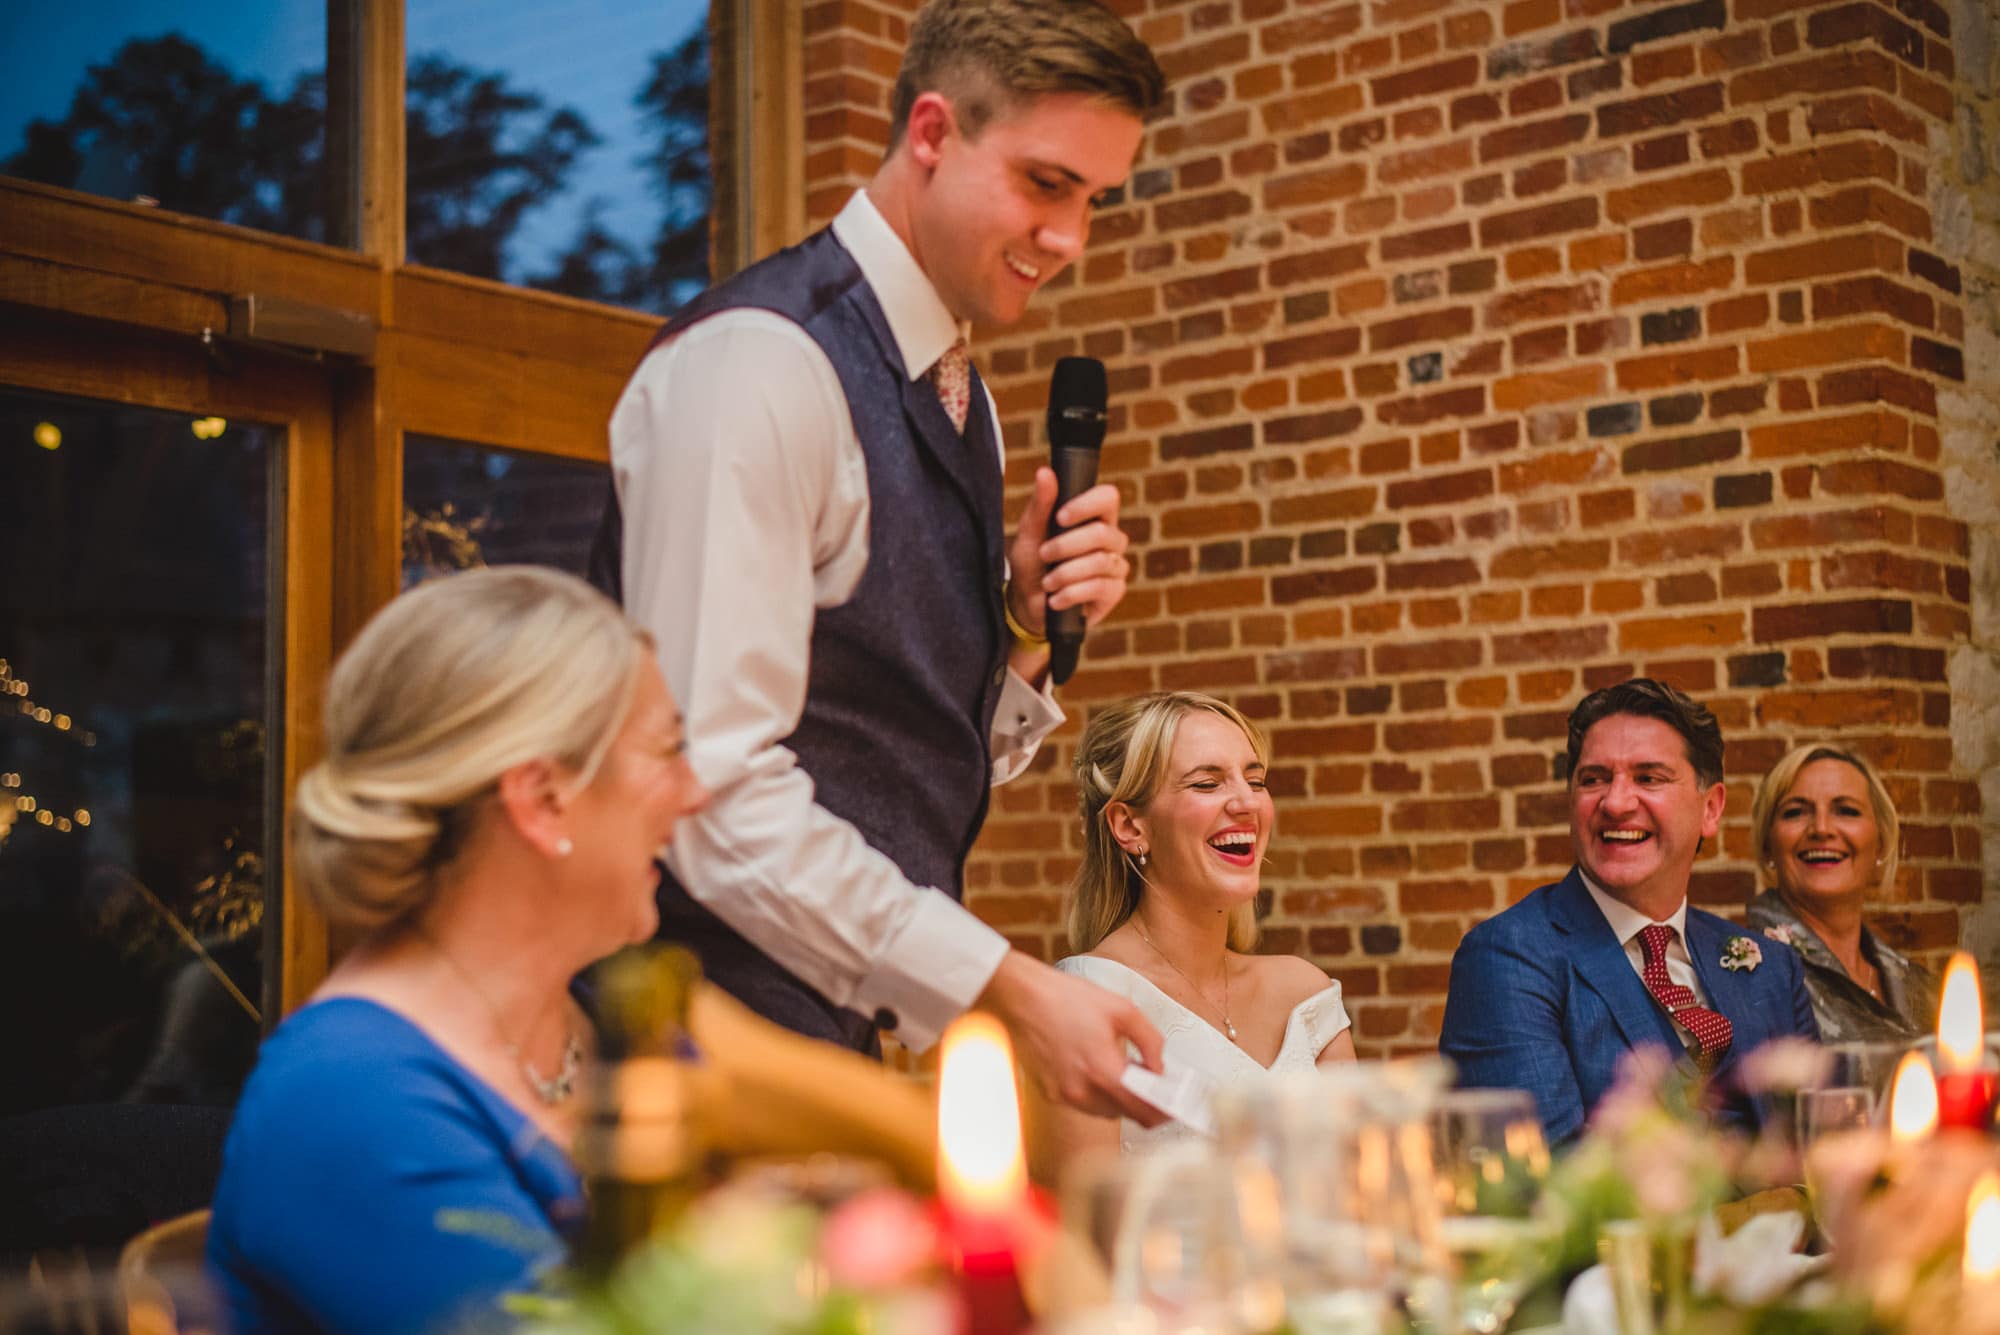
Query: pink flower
[1636, 1094]
[1783, 933]
[1661, 1182]
[878, 1240]
[1786, 1065]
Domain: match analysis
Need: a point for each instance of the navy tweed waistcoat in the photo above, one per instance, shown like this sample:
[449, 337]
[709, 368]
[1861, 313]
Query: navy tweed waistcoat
[905, 675]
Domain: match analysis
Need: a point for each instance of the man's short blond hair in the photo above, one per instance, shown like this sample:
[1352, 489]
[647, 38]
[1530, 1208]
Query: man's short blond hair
[989, 56]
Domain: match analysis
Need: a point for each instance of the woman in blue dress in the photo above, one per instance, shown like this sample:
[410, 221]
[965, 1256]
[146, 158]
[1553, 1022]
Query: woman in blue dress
[503, 763]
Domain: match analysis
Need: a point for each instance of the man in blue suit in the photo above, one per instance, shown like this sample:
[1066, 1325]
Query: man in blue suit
[1549, 995]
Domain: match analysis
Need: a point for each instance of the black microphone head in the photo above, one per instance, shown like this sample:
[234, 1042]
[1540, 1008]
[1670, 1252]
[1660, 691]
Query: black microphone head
[1077, 394]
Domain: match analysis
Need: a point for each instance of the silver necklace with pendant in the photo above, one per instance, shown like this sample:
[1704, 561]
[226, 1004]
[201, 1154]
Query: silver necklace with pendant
[1228, 1025]
[552, 1090]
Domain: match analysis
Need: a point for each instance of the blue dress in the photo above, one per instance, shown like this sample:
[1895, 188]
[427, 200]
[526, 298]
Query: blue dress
[373, 1186]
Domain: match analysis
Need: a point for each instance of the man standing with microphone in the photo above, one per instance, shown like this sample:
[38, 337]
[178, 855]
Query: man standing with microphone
[809, 474]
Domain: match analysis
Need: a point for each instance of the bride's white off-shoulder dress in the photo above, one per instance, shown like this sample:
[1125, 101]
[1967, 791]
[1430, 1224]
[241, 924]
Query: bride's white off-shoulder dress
[1195, 1046]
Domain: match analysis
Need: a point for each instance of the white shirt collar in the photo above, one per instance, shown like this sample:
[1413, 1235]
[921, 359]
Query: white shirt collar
[920, 322]
[1626, 921]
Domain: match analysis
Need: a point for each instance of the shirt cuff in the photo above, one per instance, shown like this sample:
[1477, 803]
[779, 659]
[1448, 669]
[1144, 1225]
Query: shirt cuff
[956, 954]
[1023, 718]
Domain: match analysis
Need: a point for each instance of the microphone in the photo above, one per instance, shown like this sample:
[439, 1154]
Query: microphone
[1077, 393]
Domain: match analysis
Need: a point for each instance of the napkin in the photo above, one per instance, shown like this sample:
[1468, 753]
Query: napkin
[1181, 1095]
[1747, 1268]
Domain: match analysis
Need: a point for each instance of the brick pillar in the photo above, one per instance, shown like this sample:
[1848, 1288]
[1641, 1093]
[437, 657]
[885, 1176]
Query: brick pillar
[1965, 200]
[1468, 356]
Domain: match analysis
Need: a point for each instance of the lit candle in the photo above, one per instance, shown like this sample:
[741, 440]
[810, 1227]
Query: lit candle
[1966, 1083]
[1980, 1290]
[983, 1173]
[1913, 1101]
[1982, 1231]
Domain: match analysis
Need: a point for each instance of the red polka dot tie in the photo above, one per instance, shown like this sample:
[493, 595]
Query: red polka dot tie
[952, 376]
[1712, 1032]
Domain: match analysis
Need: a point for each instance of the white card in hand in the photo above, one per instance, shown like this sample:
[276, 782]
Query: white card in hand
[1181, 1095]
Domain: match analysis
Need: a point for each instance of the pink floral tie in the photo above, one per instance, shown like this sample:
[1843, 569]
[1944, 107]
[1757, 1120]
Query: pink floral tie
[1712, 1032]
[951, 375]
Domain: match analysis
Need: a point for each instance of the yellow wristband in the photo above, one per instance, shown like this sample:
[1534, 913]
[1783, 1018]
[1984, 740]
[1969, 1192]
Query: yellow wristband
[1024, 637]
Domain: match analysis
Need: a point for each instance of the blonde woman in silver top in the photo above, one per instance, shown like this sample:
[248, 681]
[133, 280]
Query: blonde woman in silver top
[1827, 839]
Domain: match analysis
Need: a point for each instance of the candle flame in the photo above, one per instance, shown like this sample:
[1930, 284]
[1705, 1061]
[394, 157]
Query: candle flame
[1961, 1030]
[1982, 1229]
[1913, 1100]
[980, 1160]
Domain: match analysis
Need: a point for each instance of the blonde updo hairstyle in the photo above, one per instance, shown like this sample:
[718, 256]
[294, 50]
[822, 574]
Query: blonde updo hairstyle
[446, 689]
[1123, 757]
[1771, 794]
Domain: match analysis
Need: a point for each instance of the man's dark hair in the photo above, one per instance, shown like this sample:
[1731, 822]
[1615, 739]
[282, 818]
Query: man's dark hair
[1653, 699]
[988, 56]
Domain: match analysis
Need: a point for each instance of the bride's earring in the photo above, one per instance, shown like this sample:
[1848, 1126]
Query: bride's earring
[1139, 856]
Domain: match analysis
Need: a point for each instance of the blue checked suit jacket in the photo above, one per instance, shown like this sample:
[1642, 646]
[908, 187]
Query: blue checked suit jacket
[1543, 998]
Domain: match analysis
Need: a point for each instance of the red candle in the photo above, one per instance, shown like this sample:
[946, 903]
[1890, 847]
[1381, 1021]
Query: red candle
[1966, 1098]
[983, 1193]
[1967, 1081]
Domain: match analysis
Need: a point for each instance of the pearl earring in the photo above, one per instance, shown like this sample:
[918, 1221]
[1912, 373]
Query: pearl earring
[564, 847]
[1142, 857]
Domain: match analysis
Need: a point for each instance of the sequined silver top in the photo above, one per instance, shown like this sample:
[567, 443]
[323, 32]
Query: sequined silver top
[1846, 1011]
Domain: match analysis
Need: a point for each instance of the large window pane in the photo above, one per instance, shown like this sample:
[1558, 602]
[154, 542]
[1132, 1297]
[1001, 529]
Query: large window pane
[210, 107]
[562, 145]
[466, 506]
[135, 751]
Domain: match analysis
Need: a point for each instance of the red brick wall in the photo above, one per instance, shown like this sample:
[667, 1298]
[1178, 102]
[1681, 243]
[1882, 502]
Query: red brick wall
[1466, 357]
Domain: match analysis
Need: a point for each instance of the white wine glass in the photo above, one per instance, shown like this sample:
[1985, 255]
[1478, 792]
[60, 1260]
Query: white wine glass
[1832, 1111]
[1491, 1163]
[1867, 1064]
[1158, 1238]
[1834, 1108]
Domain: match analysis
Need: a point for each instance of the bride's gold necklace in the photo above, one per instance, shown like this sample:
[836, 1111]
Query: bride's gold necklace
[1228, 1025]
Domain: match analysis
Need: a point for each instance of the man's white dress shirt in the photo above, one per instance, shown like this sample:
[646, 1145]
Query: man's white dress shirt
[1627, 922]
[745, 495]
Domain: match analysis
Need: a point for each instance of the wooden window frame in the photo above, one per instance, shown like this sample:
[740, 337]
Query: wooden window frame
[130, 363]
[133, 304]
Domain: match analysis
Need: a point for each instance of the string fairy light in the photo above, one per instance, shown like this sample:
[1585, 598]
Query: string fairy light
[16, 805]
[26, 805]
[18, 688]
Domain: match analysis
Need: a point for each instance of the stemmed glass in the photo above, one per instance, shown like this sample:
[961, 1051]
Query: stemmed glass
[1831, 1111]
[1158, 1241]
[1834, 1108]
[1344, 1158]
[1491, 1163]
[1869, 1065]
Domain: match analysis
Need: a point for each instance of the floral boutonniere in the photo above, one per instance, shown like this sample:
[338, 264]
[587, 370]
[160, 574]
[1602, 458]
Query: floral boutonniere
[1742, 954]
[1783, 933]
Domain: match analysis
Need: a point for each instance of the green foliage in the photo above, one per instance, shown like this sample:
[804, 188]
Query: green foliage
[747, 1267]
[1649, 1156]
[1836, 1318]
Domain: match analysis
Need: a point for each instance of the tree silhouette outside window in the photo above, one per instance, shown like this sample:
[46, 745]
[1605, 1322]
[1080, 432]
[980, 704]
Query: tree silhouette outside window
[166, 121]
